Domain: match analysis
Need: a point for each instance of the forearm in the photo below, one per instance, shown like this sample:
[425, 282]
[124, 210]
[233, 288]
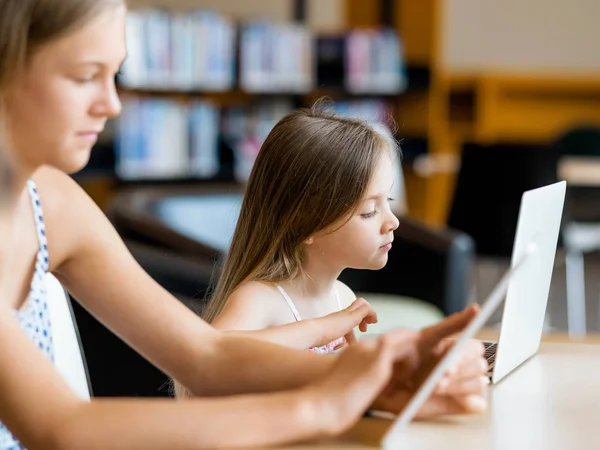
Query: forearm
[247, 421]
[299, 335]
[245, 365]
[206, 361]
[305, 333]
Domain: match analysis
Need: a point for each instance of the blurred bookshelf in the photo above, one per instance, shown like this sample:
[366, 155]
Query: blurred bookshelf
[200, 93]
[436, 107]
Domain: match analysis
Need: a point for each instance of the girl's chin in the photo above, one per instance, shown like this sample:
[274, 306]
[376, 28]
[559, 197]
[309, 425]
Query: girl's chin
[76, 161]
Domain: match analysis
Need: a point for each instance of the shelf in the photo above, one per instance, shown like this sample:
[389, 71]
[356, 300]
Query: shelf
[90, 175]
[184, 181]
[224, 98]
[239, 96]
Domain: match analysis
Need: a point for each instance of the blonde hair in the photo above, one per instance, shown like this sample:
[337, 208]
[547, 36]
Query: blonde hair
[7, 186]
[311, 172]
[25, 25]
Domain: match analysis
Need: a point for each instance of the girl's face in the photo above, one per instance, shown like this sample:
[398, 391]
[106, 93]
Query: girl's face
[58, 103]
[363, 241]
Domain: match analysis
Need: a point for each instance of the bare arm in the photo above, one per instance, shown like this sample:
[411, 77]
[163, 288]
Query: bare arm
[304, 334]
[42, 412]
[247, 314]
[89, 258]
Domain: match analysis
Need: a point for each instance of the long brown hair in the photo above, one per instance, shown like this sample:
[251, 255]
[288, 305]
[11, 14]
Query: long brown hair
[25, 25]
[311, 172]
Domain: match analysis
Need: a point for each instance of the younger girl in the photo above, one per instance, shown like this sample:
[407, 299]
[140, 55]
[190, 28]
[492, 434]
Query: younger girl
[317, 202]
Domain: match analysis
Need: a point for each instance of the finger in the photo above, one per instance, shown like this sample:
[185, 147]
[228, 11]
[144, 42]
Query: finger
[372, 317]
[366, 313]
[362, 326]
[450, 325]
[473, 368]
[350, 338]
[446, 404]
[444, 346]
[470, 361]
[403, 341]
[362, 371]
[471, 404]
[358, 303]
[476, 385]
[474, 347]
[388, 346]
[373, 359]
[369, 314]
[359, 313]
[340, 345]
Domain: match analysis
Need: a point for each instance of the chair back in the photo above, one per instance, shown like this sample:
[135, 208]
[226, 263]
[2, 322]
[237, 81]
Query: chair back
[490, 183]
[68, 352]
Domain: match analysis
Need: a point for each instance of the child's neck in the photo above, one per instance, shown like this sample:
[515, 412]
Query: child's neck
[317, 278]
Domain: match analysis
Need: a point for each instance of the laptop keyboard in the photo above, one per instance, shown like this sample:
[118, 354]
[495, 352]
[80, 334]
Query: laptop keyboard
[490, 352]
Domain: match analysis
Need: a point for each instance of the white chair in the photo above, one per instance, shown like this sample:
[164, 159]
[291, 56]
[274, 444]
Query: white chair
[68, 352]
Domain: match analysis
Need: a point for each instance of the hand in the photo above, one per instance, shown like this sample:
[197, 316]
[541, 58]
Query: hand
[342, 323]
[386, 372]
[361, 372]
[361, 306]
[461, 390]
[360, 312]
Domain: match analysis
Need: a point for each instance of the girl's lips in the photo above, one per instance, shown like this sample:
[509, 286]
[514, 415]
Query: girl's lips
[90, 136]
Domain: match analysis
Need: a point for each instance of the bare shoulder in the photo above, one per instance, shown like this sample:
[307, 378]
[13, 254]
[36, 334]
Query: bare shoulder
[254, 294]
[69, 213]
[347, 295]
[56, 188]
[253, 305]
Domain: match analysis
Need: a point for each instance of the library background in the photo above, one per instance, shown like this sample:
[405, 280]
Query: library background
[489, 99]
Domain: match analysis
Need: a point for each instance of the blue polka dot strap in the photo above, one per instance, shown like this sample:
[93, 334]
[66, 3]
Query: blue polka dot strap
[39, 224]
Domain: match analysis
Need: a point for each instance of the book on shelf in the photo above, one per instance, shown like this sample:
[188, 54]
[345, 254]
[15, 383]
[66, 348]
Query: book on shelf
[179, 51]
[363, 62]
[276, 57]
[160, 138]
[164, 139]
[245, 128]
[205, 125]
[199, 51]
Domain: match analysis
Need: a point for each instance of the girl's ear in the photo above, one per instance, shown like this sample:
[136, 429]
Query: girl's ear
[309, 241]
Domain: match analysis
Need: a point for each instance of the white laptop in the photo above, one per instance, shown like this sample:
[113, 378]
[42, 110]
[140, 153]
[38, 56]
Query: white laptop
[526, 285]
[522, 323]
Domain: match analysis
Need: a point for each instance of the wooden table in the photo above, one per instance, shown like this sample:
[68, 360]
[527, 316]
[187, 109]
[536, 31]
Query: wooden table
[551, 402]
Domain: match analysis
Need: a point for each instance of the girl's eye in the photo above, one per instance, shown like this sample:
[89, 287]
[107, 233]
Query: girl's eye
[85, 79]
[368, 215]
